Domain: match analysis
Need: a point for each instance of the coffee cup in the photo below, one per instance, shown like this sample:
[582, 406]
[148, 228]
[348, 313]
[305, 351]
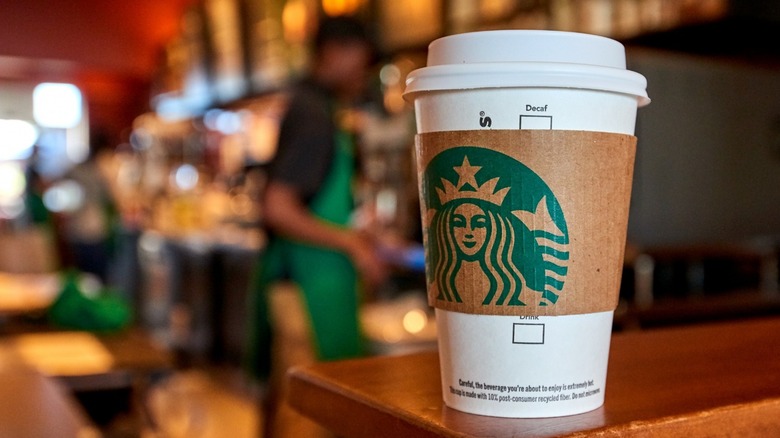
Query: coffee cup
[525, 152]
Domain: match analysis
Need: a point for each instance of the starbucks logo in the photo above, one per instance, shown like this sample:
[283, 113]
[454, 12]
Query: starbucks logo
[494, 228]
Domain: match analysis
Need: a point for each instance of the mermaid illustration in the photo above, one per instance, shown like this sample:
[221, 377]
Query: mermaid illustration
[472, 234]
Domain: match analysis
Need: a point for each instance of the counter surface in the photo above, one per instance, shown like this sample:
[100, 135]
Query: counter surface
[703, 380]
[32, 405]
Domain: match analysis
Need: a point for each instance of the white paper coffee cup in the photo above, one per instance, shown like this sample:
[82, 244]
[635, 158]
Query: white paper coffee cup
[542, 351]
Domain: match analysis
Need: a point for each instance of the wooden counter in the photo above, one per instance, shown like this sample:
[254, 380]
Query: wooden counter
[88, 362]
[24, 294]
[705, 380]
[33, 406]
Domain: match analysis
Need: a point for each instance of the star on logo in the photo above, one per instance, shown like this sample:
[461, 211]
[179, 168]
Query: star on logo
[467, 174]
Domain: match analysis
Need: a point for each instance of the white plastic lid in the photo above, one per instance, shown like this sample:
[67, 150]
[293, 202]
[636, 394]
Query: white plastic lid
[527, 58]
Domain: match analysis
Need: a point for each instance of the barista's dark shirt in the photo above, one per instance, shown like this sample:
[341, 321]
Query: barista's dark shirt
[306, 141]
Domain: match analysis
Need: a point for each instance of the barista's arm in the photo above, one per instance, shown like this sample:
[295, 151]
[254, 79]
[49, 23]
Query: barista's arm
[287, 215]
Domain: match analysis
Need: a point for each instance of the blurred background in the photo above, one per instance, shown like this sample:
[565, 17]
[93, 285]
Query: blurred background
[134, 140]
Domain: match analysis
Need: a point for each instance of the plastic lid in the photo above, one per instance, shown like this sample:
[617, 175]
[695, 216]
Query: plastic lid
[527, 58]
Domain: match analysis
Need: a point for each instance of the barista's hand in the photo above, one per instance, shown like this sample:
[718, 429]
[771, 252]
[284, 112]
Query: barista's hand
[365, 256]
[288, 216]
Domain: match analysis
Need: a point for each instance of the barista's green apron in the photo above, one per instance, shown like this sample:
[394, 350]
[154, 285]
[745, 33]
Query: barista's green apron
[326, 278]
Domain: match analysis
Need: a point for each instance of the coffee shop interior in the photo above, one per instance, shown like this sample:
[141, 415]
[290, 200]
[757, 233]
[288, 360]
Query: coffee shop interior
[135, 139]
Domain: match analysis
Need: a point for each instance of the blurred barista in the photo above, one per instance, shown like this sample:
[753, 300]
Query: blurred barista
[308, 204]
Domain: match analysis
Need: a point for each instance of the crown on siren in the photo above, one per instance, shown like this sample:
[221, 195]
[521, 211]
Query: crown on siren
[467, 187]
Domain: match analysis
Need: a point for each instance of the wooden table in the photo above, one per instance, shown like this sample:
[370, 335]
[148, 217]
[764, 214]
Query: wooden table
[33, 406]
[696, 381]
[101, 375]
[78, 357]
[23, 294]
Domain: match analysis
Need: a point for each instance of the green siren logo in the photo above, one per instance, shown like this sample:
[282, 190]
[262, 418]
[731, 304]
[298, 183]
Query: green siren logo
[492, 221]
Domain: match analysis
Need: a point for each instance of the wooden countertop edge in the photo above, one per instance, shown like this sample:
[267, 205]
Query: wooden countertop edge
[315, 392]
[387, 422]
